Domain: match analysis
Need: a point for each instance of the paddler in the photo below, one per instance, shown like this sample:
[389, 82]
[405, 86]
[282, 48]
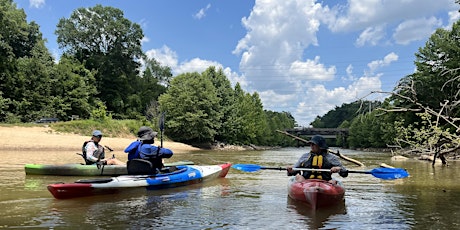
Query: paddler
[318, 158]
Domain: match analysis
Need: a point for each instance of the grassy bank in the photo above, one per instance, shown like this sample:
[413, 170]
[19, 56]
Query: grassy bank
[109, 127]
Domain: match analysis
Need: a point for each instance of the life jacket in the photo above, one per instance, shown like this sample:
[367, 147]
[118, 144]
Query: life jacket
[100, 151]
[133, 150]
[316, 161]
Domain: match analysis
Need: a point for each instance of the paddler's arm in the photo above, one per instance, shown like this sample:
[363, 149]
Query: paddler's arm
[290, 171]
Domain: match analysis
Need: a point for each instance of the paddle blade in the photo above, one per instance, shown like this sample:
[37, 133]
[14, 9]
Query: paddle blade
[247, 167]
[389, 173]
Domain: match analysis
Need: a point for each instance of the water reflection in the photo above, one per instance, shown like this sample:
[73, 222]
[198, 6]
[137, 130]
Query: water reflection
[316, 219]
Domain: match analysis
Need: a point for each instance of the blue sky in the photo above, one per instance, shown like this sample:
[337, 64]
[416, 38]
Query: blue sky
[302, 56]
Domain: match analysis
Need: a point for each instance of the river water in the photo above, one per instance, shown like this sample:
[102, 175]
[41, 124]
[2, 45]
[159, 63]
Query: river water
[428, 199]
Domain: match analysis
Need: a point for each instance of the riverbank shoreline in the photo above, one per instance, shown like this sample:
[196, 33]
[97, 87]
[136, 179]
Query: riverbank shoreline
[43, 138]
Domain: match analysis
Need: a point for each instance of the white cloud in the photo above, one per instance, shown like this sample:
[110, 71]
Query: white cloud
[202, 12]
[167, 57]
[454, 16]
[415, 30]
[278, 33]
[371, 36]
[387, 60]
[145, 40]
[360, 14]
[318, 100]
[311, 70]
[196, 65]
[37, 3]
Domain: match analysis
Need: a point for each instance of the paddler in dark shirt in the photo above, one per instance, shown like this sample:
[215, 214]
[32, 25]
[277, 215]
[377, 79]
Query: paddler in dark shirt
[318, 158]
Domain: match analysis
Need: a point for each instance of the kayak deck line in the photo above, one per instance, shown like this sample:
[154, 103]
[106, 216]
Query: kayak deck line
[76, 169]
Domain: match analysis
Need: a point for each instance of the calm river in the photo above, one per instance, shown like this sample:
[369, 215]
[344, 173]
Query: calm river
[428, 199]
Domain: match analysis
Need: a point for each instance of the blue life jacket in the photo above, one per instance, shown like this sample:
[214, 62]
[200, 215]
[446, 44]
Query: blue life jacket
[133, 150]
[145, 151]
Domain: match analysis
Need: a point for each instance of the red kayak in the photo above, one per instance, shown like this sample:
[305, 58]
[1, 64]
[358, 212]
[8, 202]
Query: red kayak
[316, 193]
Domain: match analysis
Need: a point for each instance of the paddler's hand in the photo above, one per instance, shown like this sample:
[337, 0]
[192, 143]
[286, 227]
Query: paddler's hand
[343, 173]
[289, 170]
[335, 169]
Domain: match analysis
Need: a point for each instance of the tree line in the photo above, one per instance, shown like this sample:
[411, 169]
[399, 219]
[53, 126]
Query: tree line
[103, 68]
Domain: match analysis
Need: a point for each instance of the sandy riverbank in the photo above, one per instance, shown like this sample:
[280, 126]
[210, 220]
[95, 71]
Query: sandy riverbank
[44, 138]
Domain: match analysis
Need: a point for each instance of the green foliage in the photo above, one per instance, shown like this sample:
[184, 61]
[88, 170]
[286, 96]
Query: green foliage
[366, 130]
[74, 88]
[190, 104]
[425, 135]
[16, 35]
[279, 121]
[100, 113]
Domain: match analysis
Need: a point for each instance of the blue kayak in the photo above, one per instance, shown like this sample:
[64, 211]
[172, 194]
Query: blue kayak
[184, 175]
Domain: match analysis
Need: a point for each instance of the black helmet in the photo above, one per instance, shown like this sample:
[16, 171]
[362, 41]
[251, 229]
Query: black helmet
[318, 140]
[146, 133]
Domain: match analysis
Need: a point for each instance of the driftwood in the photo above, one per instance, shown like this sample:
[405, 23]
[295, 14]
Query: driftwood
[335, 153]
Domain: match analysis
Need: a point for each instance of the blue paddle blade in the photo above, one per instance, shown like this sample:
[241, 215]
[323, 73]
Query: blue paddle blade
[389, 173]
[247, 167]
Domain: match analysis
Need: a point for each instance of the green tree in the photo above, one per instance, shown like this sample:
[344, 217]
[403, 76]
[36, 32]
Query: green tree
[31, 85]
[226, 106]
[251, 122]
[16, 35]
[279, 121]
[73, 88]
[190, 104]
[24, 63]
[102, 39]
[149, 87]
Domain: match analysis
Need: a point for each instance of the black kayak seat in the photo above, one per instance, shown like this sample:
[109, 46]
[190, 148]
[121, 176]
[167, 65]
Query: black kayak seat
[145, 167]
[140, 167]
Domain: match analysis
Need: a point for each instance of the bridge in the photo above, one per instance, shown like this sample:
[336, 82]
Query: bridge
[329, 133]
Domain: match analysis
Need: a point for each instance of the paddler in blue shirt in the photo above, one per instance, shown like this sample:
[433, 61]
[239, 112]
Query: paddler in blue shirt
[318, 158]
[143, 148]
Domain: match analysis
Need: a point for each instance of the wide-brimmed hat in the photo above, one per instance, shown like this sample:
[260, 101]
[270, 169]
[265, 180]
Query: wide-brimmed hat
[146, 133]
[318, 140]
[97, 133]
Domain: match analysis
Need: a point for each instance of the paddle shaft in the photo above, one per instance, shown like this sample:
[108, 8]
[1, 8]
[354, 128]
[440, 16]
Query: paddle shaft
[382, 173]
[328, 170]
[162, 126]
[315, 170]
[297, 169]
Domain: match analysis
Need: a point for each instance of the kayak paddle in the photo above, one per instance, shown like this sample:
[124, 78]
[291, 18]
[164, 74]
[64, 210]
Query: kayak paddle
[161, 124]
[382, 173]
